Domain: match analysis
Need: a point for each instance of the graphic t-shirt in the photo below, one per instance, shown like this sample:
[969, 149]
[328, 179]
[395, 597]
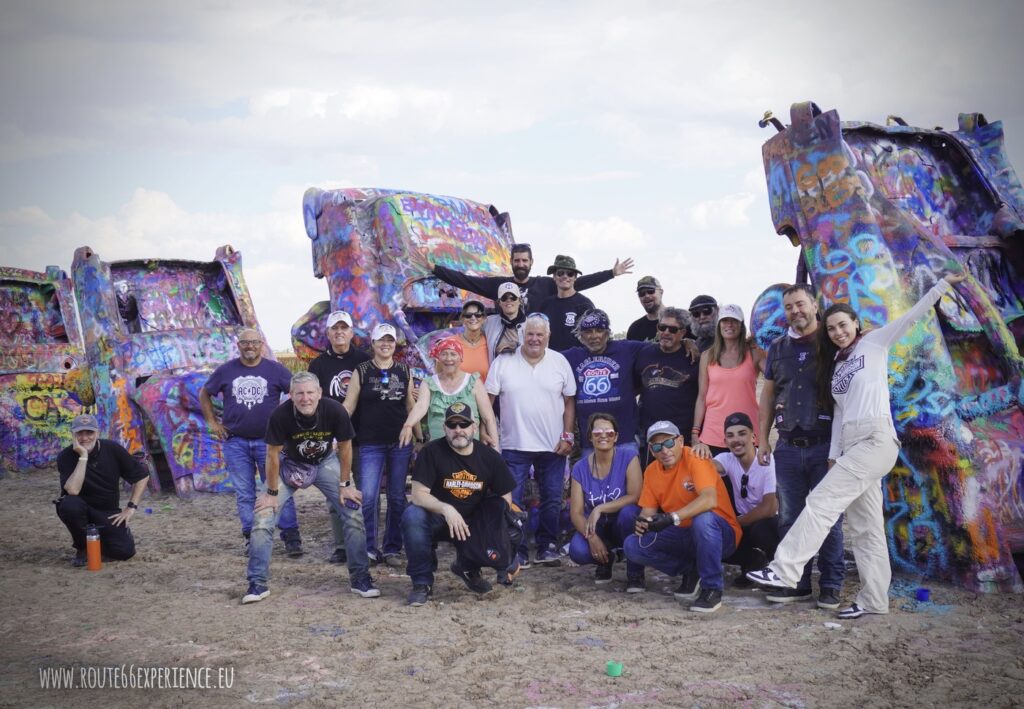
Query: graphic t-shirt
[605, 383]
[250, 394]
[668, 387]
[335, 370]
[108, 464]
[563, 314]
[462, 481]
[308, 439]
[610, 487]
[381, 404]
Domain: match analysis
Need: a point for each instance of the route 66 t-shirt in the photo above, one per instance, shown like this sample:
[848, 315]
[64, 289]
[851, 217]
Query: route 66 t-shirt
[605, 383]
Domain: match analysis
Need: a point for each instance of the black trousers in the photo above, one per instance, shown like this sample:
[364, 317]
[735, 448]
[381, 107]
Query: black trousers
[76, 514]
[762, 534]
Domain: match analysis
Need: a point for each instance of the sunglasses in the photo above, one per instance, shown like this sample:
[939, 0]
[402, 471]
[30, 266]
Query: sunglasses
[674, 329]
[561, 273]
[641, 292]
[509, 296]
[457, 424]
[603, 432]
[669, 444]
[475, 315]
[701, 312]
[247, 343]
[743, 485]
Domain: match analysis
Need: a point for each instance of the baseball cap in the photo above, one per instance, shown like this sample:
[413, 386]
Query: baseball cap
[701, 300]
[659, 427]
[648, 282]
[458, 410]
[473, 301]
[338, 316]
[738, 419]
[383, 329]
[84, 422]
[730, 311]
[508, 287]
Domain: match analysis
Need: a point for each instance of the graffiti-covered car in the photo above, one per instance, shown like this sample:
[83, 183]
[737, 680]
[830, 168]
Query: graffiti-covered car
[43, 380]
[154, 329]
[880, 212]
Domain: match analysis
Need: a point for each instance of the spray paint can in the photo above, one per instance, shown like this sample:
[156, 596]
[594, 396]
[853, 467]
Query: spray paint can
[93, 555]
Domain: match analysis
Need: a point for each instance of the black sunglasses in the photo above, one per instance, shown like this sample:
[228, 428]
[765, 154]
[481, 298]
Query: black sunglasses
[743, 485]
[509, 296]
[473, 314]
[457, 424]
[674, 329]
[644, 291]
[670, 444]
[701, 312]
[562, 273]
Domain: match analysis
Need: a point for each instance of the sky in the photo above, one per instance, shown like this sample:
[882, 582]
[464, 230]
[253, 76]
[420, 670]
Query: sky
[606, 129]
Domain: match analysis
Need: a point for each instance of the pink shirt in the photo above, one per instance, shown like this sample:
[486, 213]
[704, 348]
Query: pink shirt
[729, 391]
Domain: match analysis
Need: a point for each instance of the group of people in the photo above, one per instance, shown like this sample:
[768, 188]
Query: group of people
[508, 395]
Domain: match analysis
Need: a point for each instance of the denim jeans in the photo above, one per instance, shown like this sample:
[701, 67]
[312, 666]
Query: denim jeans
[613, 529]
[549, 471]
[797, 472]
[420, 530]
[327, 479]
[678, 550]
[243, 458]
[337, 528]
[372, 459]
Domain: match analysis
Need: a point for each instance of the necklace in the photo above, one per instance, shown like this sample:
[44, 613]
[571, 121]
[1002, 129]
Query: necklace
[316, 419]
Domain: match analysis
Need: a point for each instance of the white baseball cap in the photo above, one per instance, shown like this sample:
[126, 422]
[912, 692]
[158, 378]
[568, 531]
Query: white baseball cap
[338, 316]
[730, 311]
[508, 287]
[382, 330]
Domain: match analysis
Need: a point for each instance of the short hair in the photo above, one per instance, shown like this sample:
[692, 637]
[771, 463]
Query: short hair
[601, 416]
[538, 317]
[300, 377]
[678, 314]
[797, 287]
[252, 330]
[520, 248]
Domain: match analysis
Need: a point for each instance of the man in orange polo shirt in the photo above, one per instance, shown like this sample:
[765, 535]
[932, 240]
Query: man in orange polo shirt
[686, 522]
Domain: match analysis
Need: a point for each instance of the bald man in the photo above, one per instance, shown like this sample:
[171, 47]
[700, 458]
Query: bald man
[251, 387]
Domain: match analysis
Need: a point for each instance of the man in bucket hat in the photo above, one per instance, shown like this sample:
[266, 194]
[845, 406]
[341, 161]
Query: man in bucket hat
[567, 306]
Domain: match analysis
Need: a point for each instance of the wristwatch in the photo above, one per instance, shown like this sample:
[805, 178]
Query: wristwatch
[346, 483]
[131, 505]
[675, 518]
[272, 493]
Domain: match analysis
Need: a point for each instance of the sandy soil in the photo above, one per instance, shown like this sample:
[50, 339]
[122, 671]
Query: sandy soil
[543, 643]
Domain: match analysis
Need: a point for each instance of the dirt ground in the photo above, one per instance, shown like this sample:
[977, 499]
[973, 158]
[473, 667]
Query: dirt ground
[544, 642]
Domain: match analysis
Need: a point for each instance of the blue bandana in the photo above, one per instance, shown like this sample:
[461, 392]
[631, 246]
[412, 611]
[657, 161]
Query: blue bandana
[595, 319]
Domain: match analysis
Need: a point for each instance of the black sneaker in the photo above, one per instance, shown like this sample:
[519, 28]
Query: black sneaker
[364, 587]
[419, 595]
[603, 574]
[255, 594]
[473, 580]
[80, 559]
[293, 544]
[689, 588]
[340, 556]
[709, 601]
[742, 581]
[788, 595]
[635, 584]
[828, 599]
[548, 556]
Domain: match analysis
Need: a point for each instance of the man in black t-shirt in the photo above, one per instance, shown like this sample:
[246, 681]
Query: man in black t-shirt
[565, 309]
[91, 471]
[452, 478]
[301, 437]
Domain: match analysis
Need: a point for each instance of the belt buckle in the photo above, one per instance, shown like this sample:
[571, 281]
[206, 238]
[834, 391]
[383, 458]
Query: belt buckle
[801, 442]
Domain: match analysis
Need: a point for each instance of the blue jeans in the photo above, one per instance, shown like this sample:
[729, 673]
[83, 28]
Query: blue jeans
[420, 530]
[549, 471]
[328, 477]
[678, 550]
[243, 458]
[613, 529]
[372, 459]
[797, 472]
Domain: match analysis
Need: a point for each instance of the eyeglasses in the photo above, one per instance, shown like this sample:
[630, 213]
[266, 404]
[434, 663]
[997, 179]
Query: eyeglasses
[674, 329]
[701, 312]
[475, 315]
[641, 292]
[250, 343]
[509, 296]
[669, 444]
[603, 432]
[743, 485]
[457, 425]
[561, 273]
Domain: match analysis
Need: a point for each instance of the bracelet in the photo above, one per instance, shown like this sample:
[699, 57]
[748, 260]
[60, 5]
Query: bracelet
[131, 505]
[83, 457]
[568, 437]
[272, 493]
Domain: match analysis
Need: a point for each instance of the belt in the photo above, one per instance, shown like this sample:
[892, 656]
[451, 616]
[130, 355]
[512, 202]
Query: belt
[803, 441]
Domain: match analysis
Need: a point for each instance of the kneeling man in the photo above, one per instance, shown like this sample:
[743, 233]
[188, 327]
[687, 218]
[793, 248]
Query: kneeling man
[457, 485]
[91, 471]
[686, 523]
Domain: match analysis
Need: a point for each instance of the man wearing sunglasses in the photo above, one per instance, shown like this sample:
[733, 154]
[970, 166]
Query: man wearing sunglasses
[534, 290]
[753, 486]
[565, 309]
[686, 525]
[251, 387]
[649, 292]
[451, 480]
[704, 311]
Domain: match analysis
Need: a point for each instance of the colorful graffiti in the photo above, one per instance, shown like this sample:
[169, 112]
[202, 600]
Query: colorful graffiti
[43, 384]
[880, 212]
[153, 331]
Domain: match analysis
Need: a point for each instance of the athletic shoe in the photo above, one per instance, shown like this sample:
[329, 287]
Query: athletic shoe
[549, 556]
[340, 556]
[635, 584]
[394, 560]
[766, 577]
[523, 560]
[255, 594]
[603, 573]
[365, 588]
[473, 580]
[80, 559]
[788, 595]
[374, 557]
[293, 544]
[689, 588]
[709, 601]
[419, 595]
[828, 599]
[852, 612]
[742, 581]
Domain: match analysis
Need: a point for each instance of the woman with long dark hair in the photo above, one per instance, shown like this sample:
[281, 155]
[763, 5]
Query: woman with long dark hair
[853, 364]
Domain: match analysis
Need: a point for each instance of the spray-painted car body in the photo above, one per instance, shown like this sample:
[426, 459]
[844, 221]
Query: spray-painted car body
[43, 380]
[880, 212]
[369, 245]
[154, 330]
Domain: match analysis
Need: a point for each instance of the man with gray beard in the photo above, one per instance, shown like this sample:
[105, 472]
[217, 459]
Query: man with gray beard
[704, 311]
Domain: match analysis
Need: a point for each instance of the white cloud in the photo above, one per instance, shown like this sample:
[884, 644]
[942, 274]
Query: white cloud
[613, 234]
[726, 212]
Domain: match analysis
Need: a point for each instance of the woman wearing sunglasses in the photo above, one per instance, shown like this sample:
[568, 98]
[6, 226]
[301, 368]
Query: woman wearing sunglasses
[473, 341]
[449, 385]
[504, 330]
[604, 489]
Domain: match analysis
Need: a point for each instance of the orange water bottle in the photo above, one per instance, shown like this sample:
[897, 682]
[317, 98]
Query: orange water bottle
[93, 556]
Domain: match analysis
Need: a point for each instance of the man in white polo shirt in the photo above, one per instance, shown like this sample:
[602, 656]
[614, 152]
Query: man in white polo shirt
[536, 386]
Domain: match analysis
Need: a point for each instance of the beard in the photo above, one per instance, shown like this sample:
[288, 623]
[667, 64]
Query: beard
[521, 273]
[460, 441]
[706, 330]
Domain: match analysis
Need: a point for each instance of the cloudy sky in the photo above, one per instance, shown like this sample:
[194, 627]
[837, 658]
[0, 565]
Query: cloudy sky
[605, 128]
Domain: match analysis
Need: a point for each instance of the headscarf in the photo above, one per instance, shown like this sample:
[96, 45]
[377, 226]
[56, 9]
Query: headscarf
[448, 343]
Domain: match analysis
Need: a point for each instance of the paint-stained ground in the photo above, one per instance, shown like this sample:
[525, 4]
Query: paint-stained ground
[545, 642]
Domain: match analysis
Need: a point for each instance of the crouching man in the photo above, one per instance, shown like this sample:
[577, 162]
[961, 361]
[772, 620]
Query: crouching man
[686, 523]
[299, 439]
[91, 471]
[461, 492]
